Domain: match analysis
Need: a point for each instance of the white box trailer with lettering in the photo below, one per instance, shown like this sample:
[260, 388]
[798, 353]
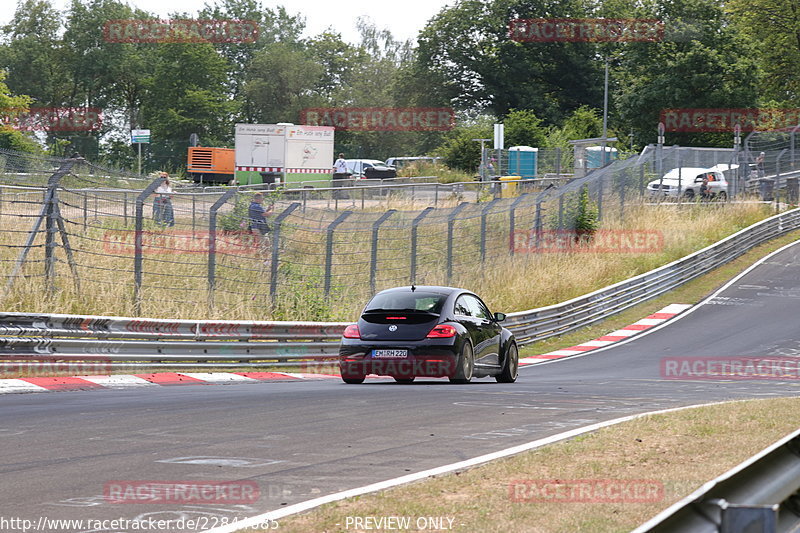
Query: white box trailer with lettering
[285, 153]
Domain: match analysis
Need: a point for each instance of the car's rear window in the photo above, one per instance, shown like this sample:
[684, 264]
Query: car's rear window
[430, 302]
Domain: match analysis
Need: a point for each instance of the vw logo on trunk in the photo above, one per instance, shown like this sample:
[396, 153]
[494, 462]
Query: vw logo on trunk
[392, 328]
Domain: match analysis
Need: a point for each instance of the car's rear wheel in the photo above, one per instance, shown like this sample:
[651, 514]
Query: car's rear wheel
[722, 196]
[510, 366]
[353, 378]
[465, 365]
[404, 380]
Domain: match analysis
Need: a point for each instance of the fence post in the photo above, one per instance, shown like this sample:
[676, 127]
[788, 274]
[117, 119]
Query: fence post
[451, 218]
[212, 241]
[49, 240]
[276, 242]
[600, 195]
[329, 249]
[484, 214]
[538, 226]
[373, 264]
[137, 243]
[558, 162]
[125, 207]
[52, 185]
[512, 221]
[425, 212]
[194, 221]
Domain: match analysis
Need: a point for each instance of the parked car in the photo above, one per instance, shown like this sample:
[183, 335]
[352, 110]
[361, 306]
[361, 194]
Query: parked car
[400, 162]
[409, 332]
[369, 168]
[686, 182]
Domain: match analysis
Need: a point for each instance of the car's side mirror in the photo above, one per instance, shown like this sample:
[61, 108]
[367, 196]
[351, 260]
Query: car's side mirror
[499, 317]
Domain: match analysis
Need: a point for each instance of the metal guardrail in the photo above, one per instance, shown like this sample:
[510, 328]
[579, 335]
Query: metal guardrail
[539, 324]
[159, 341]
[758, 495]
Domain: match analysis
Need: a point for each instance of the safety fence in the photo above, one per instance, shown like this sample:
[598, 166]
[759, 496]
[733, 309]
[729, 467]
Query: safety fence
[135, 251]
[125, 342]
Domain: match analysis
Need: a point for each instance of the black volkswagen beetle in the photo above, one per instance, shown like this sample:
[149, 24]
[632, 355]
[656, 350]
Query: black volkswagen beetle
[426, 331]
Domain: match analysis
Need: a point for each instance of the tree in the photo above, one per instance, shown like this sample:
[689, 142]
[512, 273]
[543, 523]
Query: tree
[700, 64]
[467, 47]
[280, 82]
[460, 151]
[523, 127]
[10, 106]
[772, 29]
[186, 94]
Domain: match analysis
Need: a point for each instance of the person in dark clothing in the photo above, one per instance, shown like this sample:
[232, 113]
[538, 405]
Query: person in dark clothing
[257, 215]
[705, 190]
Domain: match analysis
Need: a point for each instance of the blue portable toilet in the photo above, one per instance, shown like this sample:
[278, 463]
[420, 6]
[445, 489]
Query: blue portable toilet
[594, 156]
[523, 161]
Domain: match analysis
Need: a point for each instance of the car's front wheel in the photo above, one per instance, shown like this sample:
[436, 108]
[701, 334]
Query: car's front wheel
[510, 366]
[465, 365]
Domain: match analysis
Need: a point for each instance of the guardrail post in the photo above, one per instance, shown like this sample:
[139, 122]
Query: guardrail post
[373, 264]
[137, 244]
[277, 224]
[451, 218]
[512, 214]
[329, 249]
[484, 214]
[425, 212]
[212, 241]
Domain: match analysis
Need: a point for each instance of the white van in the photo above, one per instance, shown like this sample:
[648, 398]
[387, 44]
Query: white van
[686, 182]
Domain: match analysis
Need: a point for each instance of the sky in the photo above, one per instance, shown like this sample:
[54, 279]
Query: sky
[403, 20]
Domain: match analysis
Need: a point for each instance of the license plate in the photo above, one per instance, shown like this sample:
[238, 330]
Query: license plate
[390, 354]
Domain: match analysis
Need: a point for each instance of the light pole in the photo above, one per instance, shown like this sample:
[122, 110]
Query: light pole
[605, 113]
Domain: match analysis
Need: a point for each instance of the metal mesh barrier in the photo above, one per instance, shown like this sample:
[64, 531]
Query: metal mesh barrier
[85, 237]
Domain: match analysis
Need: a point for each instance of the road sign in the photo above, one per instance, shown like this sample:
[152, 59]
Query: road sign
[140, 136]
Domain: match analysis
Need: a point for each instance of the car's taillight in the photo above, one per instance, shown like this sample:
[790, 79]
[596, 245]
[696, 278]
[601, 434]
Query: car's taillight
[442, 331]
[351, 332]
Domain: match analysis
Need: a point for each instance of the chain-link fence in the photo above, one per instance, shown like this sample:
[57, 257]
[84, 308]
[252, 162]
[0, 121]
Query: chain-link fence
[84, 237]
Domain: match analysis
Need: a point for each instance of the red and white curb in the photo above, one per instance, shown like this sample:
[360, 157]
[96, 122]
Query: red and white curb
[124, 381]
[625, 333]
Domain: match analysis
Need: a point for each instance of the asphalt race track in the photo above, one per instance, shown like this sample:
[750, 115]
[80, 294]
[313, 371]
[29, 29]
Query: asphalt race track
[302, 440]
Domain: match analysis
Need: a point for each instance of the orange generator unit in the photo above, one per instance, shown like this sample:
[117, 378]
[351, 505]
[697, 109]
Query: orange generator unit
[210, 165]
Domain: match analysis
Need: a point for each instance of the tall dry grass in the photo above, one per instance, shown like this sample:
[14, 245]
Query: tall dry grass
[175, 285]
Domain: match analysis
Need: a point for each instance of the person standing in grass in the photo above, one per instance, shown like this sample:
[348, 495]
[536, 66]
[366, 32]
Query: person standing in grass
[257, 216]
[162, 204]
